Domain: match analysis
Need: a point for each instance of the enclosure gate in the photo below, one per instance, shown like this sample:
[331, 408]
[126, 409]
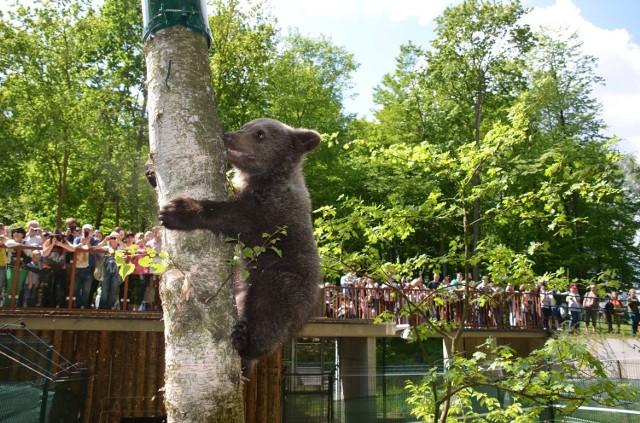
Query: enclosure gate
[307, 397]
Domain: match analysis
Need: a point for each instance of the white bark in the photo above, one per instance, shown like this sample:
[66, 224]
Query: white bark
[202, 377]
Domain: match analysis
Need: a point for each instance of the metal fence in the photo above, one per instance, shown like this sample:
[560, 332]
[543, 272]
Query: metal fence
[319, 397]
[37, 384]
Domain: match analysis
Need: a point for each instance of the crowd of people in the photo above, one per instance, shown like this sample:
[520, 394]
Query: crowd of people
[43, 259]
[77, 265]
[491, 306]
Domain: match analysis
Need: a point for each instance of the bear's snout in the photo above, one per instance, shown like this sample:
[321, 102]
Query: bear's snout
[227, 138]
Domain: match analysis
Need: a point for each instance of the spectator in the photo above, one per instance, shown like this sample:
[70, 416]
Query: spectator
[3, 264]
[111, 279]
[435, 283]
[329, 300]
[154, 242]
[17, 240]
[632, 308]
[85, 265]
[448, 310]
[555, 309]
[546, 301]
[32, 283]
[99, 266]
[613, 312]
[573, 300]
[417, 283]
[54, 281]
[120, 232]
[459, 281]
[346, 281]
[591, 307]
[140, 277]
[72, 229]
[483, 292]
[33, 236]
[129, 240]
[512, 301]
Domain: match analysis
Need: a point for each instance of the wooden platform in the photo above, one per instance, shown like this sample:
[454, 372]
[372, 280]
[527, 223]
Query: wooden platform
[124, 354]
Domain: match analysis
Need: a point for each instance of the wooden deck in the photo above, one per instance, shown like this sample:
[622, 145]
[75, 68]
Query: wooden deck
[123, 352]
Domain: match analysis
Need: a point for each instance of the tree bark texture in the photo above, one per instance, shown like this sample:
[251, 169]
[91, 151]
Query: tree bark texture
[202, 376]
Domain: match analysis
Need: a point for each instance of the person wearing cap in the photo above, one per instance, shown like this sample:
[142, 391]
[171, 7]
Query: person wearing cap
[85, 265]
[33, 236]
[13, 245]
[111, 279]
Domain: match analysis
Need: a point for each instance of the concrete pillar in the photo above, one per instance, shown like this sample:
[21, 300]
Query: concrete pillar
[357, 378]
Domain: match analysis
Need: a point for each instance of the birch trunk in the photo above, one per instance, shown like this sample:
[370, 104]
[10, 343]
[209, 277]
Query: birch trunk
[202, 376]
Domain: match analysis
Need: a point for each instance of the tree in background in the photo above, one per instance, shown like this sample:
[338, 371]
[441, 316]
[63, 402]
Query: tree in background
[544, 175]
[549, 174]
[73, 103]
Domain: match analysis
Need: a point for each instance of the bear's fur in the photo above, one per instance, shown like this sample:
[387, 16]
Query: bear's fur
[276, 299]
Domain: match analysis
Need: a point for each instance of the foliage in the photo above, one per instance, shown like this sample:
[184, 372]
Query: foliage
[546, 177]
[487, 151]
[247, 256]
[156, 262]
[563, 372]
[303, 81]
[483, 159]
[71, 94]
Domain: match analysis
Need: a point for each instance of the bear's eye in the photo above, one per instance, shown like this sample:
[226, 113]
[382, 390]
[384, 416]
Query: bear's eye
[260, 135]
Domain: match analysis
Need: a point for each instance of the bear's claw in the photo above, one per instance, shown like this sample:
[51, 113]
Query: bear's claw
[239, 336]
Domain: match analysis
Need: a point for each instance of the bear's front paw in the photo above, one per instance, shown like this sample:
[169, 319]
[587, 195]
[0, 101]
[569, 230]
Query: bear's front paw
[180, 213]
[239, 336]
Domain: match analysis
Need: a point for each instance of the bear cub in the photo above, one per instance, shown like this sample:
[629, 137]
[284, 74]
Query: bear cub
[275, 300]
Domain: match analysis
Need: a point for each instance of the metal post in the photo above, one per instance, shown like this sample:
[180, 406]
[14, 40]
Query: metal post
[45, 387]
[384, 379]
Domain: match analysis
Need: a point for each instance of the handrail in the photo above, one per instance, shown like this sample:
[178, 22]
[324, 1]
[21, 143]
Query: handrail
[71, 276]
[488, 309]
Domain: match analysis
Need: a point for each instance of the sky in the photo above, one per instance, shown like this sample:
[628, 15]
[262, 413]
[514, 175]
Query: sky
[373, 30]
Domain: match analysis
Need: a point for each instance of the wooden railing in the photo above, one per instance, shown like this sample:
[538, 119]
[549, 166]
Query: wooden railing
[70, 276]
[485, 310]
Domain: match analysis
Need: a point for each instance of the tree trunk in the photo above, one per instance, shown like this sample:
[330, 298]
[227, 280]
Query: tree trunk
[202, 376]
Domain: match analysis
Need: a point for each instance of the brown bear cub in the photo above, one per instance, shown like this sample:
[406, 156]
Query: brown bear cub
[275, 300]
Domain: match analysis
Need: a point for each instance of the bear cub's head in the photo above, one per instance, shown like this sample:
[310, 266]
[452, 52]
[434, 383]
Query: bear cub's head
[265, 146]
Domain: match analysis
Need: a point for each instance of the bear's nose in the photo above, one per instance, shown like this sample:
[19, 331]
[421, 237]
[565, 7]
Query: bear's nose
[227, 138]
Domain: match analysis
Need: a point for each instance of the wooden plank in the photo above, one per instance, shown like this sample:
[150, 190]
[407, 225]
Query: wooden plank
[160, 370]
[262, 392]
[127, 361]
[152, 360]
[249, 390]
[142, 378]
[101, 376]
[91, 362]
[275, 376]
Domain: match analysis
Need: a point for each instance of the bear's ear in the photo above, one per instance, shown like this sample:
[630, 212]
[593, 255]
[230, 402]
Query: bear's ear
[305, 140]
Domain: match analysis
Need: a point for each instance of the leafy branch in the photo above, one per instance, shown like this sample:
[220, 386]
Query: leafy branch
[247, 255]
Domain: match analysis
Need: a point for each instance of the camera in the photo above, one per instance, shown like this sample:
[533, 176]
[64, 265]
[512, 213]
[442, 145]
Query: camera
[86, 234]
[113, 237]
